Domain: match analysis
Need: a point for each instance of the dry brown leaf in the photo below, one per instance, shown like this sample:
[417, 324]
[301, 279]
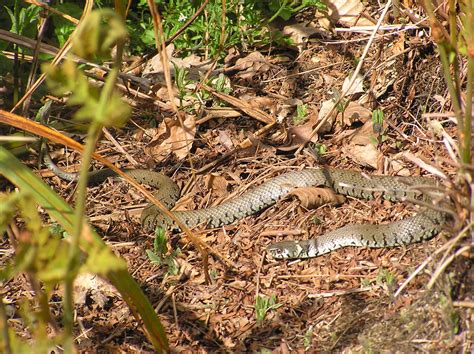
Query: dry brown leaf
[346, 12]
[360, 147]
[252, 64]
[354, 112]
[263, 103]
[356, 87]
[225, 140]
[96, 288]
[398, 166]
[299, 34]
[364, 155]
[217, 183]
[172, 138]
[313, 197]
[299, 134]
[326, 107]
[196, 67]
[363, 135]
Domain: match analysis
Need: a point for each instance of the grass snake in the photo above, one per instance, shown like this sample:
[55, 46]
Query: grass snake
[422, 226]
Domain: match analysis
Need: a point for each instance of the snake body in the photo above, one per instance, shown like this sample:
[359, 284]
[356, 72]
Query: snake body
[422, 226]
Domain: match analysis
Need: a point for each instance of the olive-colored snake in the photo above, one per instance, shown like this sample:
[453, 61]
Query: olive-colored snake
[422, 226]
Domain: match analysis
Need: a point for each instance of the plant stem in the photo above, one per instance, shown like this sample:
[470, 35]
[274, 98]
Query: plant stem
[74, 251]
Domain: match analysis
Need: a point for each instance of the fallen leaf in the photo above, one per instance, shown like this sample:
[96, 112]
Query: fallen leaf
[356, 87]
[360, 147]
[326, 107]
[218, 184]
[399, 167]
[225, 140]
[346, 12]
[364, 155]
[299, 134]
[354, 112]
[171, 137]
[263, 103]
[313, 197]
[253, 64]
[193, 63]
[96, 288]
[299, 34]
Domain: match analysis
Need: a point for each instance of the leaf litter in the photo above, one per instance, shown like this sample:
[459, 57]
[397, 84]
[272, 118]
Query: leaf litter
[342, 301]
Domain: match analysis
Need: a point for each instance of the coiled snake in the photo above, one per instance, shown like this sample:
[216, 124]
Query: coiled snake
[422, 226]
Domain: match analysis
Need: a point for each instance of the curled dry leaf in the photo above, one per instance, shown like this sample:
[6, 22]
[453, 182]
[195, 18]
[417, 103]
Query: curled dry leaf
[299, 34]
[264, 103]
[300, 134]
[225, 140]
[326, 107]
[346, 12]
[253, 64]
[354, 112]
[193, 63]
[173, 138]
[96, 288]
[356, 87]
[218, 184]
[313, 197]
[360, 147]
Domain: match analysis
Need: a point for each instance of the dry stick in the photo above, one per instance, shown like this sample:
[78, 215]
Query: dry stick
[119, 147]
[353, 78]
[54, 11]
[244, 106]
[35, 61]
[61, 54]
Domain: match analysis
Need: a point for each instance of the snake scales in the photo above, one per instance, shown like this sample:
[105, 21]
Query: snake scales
[422, 226]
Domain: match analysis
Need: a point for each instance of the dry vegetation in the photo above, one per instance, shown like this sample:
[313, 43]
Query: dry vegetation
[349, 300]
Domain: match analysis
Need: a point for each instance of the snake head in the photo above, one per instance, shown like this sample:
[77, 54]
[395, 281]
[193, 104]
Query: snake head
[286, 250]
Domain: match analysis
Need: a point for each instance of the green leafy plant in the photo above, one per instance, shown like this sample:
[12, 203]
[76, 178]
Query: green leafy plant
[386, 280]
[308, 337]
[159, 253]
[377, 124]
[301, 113]
[287, 8]
[263, 304]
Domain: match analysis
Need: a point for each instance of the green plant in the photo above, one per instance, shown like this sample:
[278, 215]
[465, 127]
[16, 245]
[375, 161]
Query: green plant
[386, 280]
[245, 24]
[321, 149]
[342, 102]
[263, 304]
[287, 8]
[181, 80]
[377, 127]
[158, 254]
[308, 337]
[301, 113]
